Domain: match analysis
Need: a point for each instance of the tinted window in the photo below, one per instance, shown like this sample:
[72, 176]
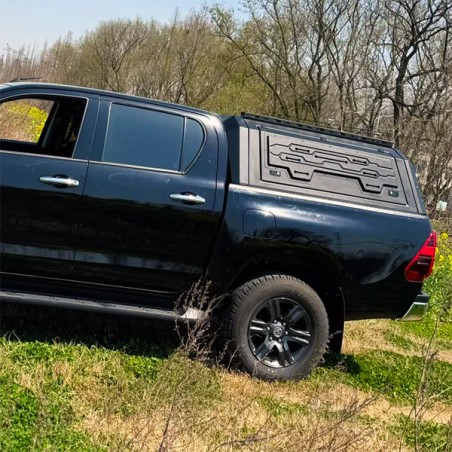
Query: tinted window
[193, 140]
[141, 137]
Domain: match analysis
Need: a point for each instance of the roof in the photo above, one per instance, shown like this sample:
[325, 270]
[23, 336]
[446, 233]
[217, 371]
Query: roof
[100, 92]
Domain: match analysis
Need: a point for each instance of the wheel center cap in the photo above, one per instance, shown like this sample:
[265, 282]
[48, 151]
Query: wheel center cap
[277, 331]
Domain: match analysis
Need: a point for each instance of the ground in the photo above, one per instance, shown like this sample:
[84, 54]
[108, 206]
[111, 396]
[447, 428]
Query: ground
[77, 381]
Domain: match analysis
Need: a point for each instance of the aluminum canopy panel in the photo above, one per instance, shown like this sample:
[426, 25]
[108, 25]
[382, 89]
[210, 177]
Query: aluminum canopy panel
[325, 167]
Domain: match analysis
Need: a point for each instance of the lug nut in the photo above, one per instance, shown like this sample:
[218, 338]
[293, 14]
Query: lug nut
[279, 340]
[287, 333]
[268, 328]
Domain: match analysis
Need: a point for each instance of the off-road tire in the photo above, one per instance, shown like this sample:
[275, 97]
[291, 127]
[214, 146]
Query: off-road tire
[292, 298]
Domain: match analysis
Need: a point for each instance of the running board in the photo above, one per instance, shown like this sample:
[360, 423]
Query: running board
[189, 315]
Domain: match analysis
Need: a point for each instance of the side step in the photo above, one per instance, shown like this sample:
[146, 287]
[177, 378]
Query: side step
[190, 315]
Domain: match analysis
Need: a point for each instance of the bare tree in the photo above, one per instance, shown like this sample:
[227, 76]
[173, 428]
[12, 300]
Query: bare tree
[408, 29]
[182, 62]
[109, 53]
[20, 64]
[273, 43]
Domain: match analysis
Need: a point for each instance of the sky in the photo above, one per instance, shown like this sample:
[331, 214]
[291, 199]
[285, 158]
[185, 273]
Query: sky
[33, 22]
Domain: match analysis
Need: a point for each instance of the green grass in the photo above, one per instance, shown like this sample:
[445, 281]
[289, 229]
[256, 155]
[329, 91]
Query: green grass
[426, 328]
[49, 375]
[393, 375]
[27, 356]
[103, 384]
[398, 376]
[401, 341]
[431, 436]
[38, 421]
[44, 416]
[278, 408]
[48, 387]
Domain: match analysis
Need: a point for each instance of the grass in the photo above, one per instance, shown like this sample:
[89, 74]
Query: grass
[281, 409]
[425, 330]
[73, 381]
[38, 419]
[390, 374]
[431, 436]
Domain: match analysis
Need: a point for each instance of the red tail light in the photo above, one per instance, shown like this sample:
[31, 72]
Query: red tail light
[420, 268]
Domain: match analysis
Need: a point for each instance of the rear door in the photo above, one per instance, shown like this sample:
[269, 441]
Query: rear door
[45, 136]
[148, 218]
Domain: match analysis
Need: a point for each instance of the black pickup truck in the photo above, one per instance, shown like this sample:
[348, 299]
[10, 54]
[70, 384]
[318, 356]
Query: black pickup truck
[116, 203]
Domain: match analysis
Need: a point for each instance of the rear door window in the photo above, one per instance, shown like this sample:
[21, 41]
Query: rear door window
[152, 139]
[141, 137]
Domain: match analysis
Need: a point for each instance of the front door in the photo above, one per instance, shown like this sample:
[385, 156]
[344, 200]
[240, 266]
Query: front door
[41, 181]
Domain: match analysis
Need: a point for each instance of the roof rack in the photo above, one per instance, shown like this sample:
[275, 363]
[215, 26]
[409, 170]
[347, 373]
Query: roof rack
[310, 128]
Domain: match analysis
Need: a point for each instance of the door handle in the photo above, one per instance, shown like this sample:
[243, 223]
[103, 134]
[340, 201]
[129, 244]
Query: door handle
[187, 198]
[59, 181]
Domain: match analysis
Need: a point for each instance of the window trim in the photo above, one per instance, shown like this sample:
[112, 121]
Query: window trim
[47, 156]
[201, 148]
[126, 165]
[49, 121]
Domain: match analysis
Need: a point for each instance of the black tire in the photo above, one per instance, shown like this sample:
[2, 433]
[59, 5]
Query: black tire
[278, 327]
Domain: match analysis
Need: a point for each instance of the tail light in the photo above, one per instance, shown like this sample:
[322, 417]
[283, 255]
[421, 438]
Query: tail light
[420, 268]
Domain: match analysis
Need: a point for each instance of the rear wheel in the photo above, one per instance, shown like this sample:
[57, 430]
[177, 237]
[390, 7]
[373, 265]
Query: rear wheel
[278, 327]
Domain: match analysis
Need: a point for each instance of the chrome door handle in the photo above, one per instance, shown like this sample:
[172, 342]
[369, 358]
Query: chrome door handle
[187, 198]
[55, 180]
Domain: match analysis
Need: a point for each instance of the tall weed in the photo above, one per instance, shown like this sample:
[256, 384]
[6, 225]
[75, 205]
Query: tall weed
[439, 285]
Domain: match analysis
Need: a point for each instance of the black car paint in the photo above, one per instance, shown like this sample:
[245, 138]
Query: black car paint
[363, 248]
[118, 236]
[129, 228]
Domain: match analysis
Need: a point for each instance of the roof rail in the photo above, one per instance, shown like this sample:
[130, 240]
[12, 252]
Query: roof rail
[310, 128]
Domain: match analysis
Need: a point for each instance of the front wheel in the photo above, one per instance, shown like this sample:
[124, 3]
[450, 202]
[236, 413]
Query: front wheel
[278, 327]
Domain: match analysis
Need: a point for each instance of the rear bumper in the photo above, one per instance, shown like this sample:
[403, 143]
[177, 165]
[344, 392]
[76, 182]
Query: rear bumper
[418, 309]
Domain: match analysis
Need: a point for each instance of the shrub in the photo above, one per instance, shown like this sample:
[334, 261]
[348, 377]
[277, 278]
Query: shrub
[439, 285]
